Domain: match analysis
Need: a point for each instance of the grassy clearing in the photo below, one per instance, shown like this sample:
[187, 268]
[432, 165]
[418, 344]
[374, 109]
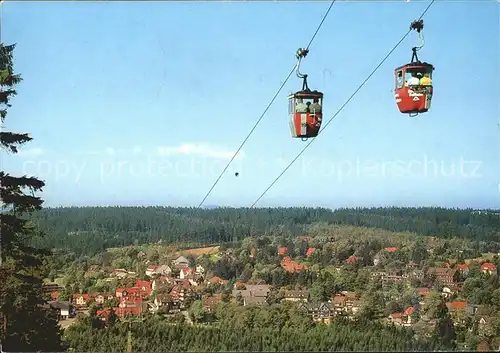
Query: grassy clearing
[212, 250]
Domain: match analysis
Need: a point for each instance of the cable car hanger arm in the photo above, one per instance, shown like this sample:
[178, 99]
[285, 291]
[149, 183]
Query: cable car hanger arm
[417, 25]
[302, 53]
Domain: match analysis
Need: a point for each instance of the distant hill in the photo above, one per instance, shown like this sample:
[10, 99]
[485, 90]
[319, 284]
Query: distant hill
[93, 229]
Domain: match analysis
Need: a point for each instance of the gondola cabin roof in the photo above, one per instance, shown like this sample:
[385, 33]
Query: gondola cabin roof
[415, 65]
[306, 94]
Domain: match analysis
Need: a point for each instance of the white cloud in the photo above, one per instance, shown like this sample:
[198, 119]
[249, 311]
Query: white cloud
[31, 152]
[137, 150]
[198, 149]
[110, 151]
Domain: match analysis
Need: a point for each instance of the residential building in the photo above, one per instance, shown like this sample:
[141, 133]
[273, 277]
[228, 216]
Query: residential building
[443, 276]
[181, 262]
[319, 312]
[488, 268]
[295, 295]
[64, 308]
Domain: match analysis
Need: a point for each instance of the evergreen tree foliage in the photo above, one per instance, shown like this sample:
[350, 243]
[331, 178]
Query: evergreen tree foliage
[28, 324]
[90, 230]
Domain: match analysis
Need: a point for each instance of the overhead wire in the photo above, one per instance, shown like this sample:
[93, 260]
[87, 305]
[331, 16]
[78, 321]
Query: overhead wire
[341, 108]
[267, 108]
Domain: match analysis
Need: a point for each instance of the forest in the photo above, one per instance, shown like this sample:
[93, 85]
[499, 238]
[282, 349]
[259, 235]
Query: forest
[90, 230]
[273, 329]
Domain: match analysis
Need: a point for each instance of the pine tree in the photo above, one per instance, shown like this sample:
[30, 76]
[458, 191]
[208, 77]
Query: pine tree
[27, 323]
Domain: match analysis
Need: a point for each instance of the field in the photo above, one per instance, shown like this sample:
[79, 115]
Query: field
[484, 258]
[212, 250]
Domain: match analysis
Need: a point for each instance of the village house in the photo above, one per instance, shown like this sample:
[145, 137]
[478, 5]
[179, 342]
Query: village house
[253, 294]
[291, 266]
[378, 274]
[191, 275]
[141, 289]
[345, 303]
[413, 274]
[145, 287]
[127, 292]
[488, 268]
[51, 287]
[122, 273]
[186, 272]
[352, 259]
[459, 311]
[463, 269]
[103, 315]
[404, 318]
[239, 285]
[182, 292]
[100, 298]
[295, 295]
[199, 270]
[162, 281]
[210, 302]
[448, 291]
[181, 262]
[412, 265]
[339, 304]
[124, 301]
[310, 251]
[319, 312]
[392, 278]
[163, 270]
[166, 303]
[283, 251]
[128, 308]
[217, 280]
[422, 294]
[81, 300]
[443, 276]
[63, 308]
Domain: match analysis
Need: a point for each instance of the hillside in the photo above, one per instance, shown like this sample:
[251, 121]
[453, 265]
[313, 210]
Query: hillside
[93, 229]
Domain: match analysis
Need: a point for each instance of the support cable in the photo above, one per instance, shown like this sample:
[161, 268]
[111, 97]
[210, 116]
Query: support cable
[341, 108]
[267, 108]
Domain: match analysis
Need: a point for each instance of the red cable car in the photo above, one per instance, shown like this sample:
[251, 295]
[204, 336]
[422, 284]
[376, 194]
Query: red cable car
[413, 81]
[305, 107]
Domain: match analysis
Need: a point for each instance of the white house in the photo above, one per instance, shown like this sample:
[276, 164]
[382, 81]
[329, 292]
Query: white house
[163, 270]
[186, 272]
[181, 261]
[200, 270]
[63, 307]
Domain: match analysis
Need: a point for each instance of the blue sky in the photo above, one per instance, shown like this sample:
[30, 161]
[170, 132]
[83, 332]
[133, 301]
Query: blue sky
[143, 102]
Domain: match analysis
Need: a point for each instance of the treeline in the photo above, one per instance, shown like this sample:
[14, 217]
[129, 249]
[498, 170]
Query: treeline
[92, 229]
[248, 330]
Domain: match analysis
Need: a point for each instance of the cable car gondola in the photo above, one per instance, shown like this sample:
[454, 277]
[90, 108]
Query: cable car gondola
[305, 107]
[413, 81]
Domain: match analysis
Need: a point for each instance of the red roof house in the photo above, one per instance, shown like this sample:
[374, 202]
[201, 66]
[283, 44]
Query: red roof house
[282, 251]
[310, 251]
